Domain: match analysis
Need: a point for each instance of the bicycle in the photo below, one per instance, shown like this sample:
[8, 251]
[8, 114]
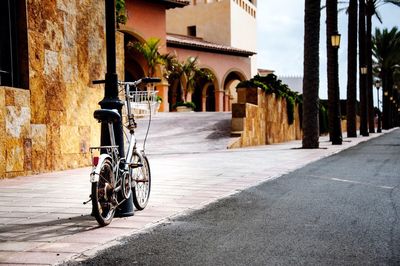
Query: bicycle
[113, 178]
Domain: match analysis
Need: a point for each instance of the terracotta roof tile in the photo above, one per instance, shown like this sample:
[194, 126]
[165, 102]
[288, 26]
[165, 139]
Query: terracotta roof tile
[175, 40]
[175, 3]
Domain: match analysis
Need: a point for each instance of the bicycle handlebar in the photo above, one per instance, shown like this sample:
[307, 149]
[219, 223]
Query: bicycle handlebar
[99, 81]
[145, 80]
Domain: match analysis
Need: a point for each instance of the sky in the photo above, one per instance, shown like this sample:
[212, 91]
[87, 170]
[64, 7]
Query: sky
[280, 37]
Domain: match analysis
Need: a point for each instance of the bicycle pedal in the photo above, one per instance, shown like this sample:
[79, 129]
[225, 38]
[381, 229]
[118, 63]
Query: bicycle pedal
[135, 165]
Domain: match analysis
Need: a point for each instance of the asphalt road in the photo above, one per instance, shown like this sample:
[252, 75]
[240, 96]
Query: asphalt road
[341, 210]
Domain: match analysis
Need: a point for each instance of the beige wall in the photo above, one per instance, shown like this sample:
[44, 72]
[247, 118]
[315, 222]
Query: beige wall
[259, 118]
[51, 126]
[212, 21]
[228, 22]
[244, 29]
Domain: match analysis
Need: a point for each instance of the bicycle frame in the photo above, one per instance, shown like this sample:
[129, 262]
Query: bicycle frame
[113, 178]
[112, 150]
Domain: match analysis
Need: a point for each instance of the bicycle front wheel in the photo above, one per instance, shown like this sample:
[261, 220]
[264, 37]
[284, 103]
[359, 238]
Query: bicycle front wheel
[103, 195]
[141, 182]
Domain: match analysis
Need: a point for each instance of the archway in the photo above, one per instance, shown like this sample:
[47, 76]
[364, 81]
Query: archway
[134, 61]
[210, 97]
[204, 94]
[197, 97]
[231, 80]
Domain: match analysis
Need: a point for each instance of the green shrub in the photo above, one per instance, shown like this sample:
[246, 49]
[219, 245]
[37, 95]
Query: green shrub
[271, 84]
[290, 103]
[187, 104]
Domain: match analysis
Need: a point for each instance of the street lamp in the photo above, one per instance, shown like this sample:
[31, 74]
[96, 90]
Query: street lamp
[111, 99]
[335, 40]
[363, 70]
[378, 85]
[363, 101]
[335, 131]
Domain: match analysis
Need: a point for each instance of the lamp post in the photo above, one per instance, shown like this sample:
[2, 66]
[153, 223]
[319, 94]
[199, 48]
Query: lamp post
[111, 99]
[333, 91]
[363, 101]
[335, 40]
[378, 86]
[396, 93]
[363, 70]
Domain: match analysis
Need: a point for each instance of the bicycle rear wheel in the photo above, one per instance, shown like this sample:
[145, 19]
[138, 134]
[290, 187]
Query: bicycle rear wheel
[103, 195]
[141, 182]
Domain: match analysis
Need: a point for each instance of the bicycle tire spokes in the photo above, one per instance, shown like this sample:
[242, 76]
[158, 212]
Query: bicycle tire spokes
[119, 177]
[141, 182]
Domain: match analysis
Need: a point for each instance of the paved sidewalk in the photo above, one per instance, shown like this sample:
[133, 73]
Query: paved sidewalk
[43, 221]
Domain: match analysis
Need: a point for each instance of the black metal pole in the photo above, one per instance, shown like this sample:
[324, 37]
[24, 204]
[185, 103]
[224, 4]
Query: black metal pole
[379, 130]
[335, 126]
[111, 99]
[363, 78]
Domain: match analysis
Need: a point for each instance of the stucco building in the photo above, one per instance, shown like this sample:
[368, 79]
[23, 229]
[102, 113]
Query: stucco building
[51, 52]
[221, 33]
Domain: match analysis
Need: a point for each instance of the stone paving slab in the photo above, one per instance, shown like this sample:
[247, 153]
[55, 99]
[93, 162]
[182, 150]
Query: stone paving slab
[43, 220]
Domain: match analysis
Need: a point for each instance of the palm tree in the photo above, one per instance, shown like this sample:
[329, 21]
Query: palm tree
[363, 79]
[352, 70]
[335, 130]
[371, 10]
[386, 52]
[190, 74]
[149, 50]
[185, 74]
[312, 16]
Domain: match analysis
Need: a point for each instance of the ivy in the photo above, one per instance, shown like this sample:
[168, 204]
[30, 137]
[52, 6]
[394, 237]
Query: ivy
[271, 84]
[120, 11]
[290, 103]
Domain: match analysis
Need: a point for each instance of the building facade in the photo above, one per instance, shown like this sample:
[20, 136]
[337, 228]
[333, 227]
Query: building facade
[230, 24]
[50, 54]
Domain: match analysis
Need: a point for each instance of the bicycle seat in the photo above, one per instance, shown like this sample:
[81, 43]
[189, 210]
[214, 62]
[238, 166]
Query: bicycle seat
[107, 115]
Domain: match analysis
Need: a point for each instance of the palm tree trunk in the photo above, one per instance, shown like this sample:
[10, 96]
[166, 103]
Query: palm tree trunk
[335, 125]
[370, 12]
[387, 84]
[363, 78]
[311, 74]
[352, 71]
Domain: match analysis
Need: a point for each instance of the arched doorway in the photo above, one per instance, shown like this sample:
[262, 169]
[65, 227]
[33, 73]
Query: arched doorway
[204, 94]
[231, 80]
[197, 97]
[134, 61]
[210, 97]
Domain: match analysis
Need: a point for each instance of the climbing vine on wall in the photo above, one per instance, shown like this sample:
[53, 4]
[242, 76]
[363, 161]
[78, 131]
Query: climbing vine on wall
[120, 12]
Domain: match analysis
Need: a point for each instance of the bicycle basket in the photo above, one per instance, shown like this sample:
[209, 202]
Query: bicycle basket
[143, 103]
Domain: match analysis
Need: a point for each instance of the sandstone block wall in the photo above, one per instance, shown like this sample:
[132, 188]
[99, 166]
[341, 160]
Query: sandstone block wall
[50, 126]
[259, 118]
[15, 132]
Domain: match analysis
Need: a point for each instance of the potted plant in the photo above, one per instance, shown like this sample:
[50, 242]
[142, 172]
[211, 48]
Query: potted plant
[184, 106]
[159, 101]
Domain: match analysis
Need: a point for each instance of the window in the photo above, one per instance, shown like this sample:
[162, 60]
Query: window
[192, 31]
[13, 44]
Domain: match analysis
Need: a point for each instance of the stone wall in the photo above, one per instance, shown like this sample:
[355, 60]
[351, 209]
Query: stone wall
[259, 118]
[15, 132]
[51, 126]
